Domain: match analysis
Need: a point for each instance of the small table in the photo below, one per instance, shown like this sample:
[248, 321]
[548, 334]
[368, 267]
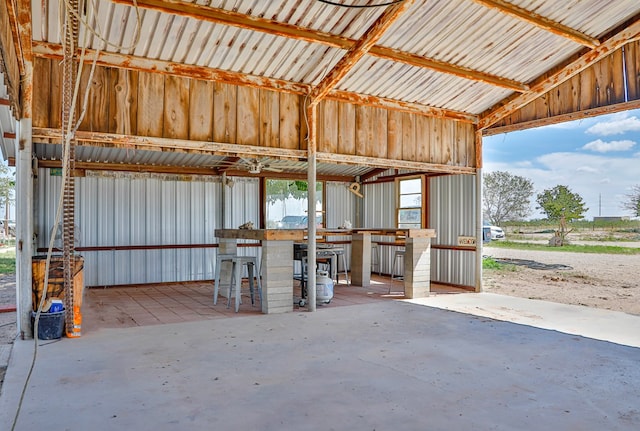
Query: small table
[276, 265]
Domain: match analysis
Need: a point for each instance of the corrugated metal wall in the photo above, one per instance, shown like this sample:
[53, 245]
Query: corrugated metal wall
[379, 211]
[159, 210]
[340, 206]
[452, 203]
[141, 210]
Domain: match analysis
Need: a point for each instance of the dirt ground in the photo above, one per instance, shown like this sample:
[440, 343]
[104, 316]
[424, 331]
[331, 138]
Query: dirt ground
[605, 281]
[7, 320]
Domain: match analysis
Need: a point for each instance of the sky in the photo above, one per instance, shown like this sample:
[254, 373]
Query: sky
[597, 158]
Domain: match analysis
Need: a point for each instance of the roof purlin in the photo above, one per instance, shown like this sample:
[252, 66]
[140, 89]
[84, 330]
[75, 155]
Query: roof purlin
[540, 21]
[221, 16]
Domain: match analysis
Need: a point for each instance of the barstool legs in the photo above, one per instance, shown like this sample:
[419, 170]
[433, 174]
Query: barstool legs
[236, 279]
[398, 255]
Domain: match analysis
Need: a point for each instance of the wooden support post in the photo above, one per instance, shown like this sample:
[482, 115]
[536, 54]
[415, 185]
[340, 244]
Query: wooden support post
[312, 145]
[24, 227]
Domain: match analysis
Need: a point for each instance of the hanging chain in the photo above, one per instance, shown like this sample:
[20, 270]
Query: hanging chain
[68, 118]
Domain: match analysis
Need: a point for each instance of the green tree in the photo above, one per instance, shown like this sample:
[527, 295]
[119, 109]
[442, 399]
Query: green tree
[562, 205]
[506, 197]
[632, 201]
[7, 189]
[278, 190]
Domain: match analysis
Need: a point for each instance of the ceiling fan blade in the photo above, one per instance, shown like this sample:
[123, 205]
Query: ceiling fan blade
[267, 168]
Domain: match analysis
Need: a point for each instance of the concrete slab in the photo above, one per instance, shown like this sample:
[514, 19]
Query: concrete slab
[588, 322]
[382, 366]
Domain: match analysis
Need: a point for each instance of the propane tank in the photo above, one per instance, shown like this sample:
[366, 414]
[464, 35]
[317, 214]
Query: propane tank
[324, 287]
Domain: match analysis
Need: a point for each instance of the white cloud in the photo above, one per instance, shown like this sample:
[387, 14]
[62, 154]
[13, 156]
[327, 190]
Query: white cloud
[587, 169]
[602, 190]
[523, 164]
[601, 146]
[616, 126]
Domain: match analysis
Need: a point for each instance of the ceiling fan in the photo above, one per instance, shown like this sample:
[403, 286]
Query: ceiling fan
[255, 166]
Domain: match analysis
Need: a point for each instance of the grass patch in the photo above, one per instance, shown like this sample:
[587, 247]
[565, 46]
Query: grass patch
[8, 262]
[490, 264]
[599, 249]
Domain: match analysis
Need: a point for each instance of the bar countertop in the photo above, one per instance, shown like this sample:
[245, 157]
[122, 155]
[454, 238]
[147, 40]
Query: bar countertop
[300, 234]
[262, 234]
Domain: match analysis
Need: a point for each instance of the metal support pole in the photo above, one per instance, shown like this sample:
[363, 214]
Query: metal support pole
[311, 208]
[479, 235]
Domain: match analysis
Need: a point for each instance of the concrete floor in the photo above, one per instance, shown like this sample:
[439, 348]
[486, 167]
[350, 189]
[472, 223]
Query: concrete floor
[385, 365]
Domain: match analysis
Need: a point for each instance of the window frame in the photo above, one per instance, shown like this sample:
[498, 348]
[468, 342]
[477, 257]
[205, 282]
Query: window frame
[319, 213]
[421, 208]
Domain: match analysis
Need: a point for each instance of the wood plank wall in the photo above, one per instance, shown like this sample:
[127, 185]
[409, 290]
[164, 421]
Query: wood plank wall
[599, 86]
[9, 59]
[156, 105]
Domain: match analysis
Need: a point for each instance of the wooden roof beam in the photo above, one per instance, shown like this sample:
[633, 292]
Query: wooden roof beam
[358, 50]
[372, 173]
[392, 163]
[229, 163]
[221, 16]
[54, 51]
[131, 167]
[546, 84]
[541, 22]
[447, 68]
[563, 118]
[113, 140]
[180, 170]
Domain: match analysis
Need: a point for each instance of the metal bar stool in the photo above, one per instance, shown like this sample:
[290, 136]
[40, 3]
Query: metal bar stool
[375, 257]
[339, 251]
[398, 256]
[236, 278]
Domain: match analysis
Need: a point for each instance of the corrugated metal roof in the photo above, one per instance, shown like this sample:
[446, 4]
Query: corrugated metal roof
[459, 33]
[591, 17]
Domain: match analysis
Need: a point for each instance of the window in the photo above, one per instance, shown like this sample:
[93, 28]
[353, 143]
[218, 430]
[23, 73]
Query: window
[286, 204]
[410, 203]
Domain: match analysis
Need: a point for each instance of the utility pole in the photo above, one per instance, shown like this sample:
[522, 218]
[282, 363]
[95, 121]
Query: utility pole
[600, 205]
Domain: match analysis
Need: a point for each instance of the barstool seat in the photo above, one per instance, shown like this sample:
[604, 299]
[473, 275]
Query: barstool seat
[235, 281]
